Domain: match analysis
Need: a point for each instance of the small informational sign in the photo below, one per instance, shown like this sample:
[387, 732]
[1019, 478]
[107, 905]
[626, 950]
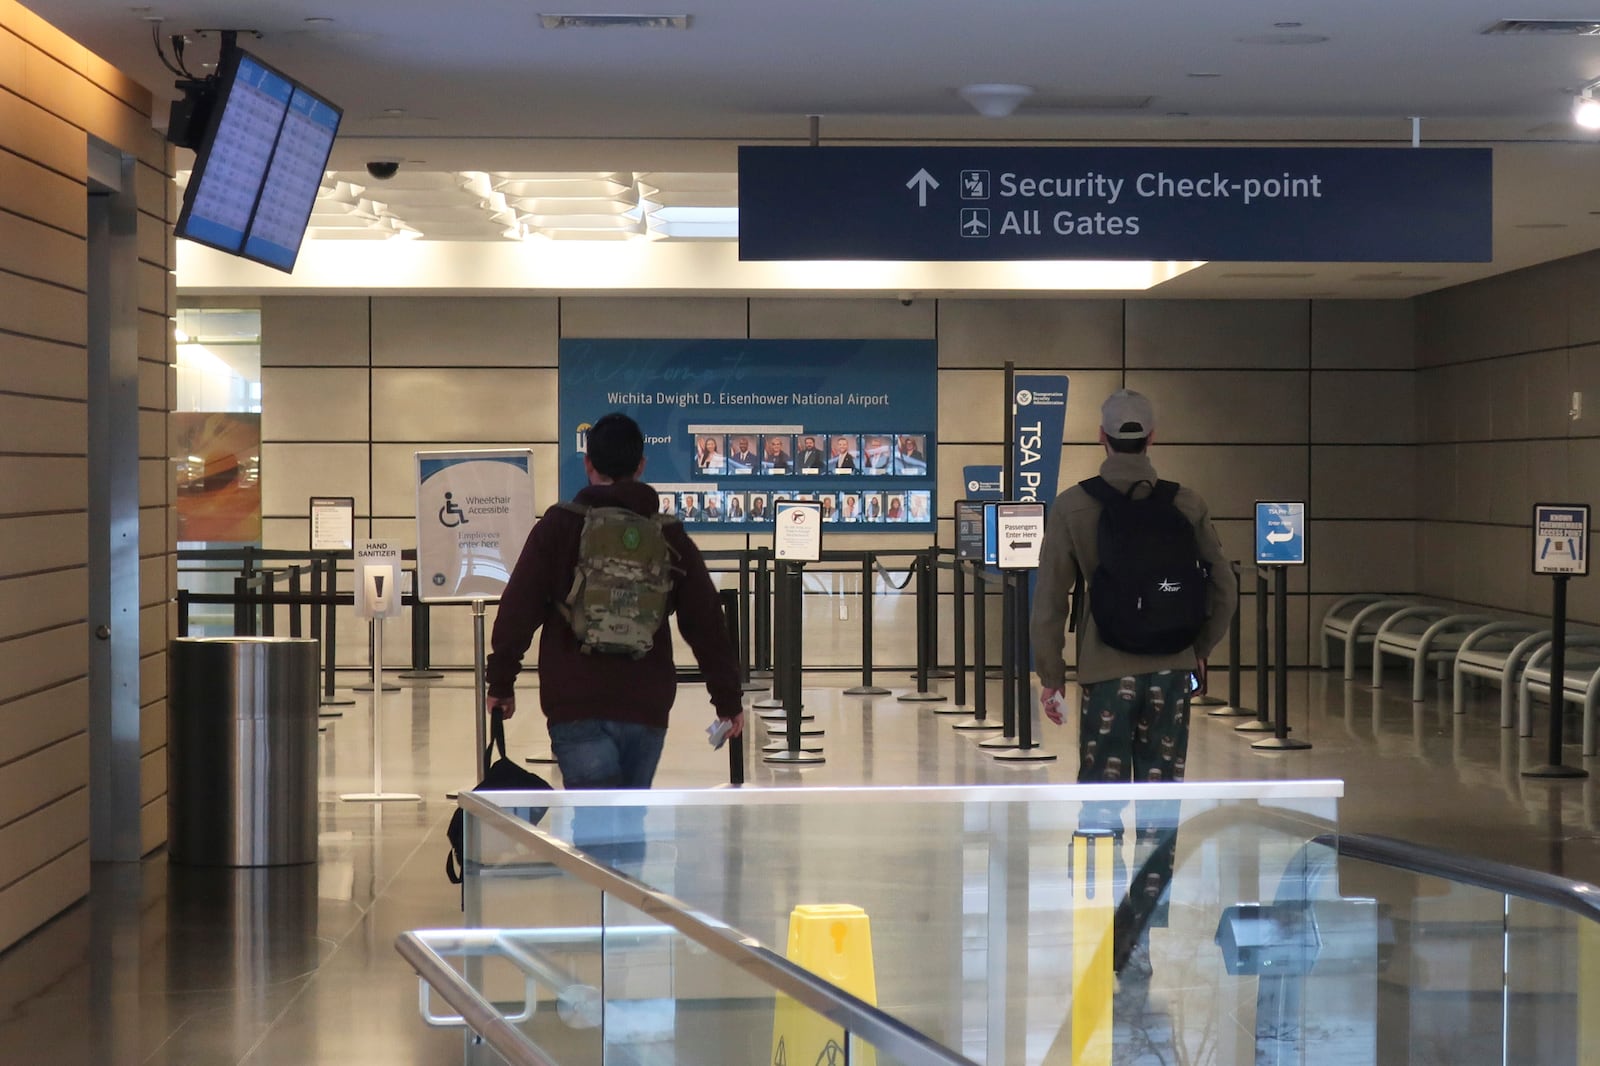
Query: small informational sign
[378, 591]
[969, 529]
[797, 531]
[982, 481]
[1561, 538]
[333, 523]
[1280, 533]
[1019, 535]
[474, 513]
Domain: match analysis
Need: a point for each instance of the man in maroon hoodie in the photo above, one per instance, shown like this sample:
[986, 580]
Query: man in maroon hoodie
[607, 714]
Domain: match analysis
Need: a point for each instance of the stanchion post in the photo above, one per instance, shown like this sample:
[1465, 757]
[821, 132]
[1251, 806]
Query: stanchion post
[1026, 750]
[979, 722]
[1008, 664]
[243, 612]
[741, 639]
[330, 642]
[377, 795]
[1553, 767]
[763, 616]
[421, 637]
[316, 599]
[960, 633]
[295, 625]
[1280, 740]
[925, 590]
[269, 604]
[1234, 708]
[934, 669]
[787, 676]
[1261, 723]
[868, 590]
[183, 612]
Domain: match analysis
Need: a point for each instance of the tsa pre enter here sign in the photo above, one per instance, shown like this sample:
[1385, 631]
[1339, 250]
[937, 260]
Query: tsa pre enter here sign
[1561, 538]
[1280, 534]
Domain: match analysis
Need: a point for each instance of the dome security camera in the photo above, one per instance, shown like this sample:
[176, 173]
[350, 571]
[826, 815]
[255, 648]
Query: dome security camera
[906, 298]
[383, 169]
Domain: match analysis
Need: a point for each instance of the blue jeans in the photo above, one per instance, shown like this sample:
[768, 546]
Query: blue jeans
[598, 754]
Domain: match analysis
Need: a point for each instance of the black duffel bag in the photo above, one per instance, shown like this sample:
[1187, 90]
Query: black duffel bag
[499, 775]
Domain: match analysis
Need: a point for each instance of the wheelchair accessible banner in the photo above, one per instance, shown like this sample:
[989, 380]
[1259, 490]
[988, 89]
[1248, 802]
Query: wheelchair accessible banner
[474, 512]
[733, 426]
[1038, 424]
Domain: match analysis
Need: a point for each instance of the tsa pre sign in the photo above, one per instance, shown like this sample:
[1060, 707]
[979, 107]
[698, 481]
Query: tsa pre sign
[474, 511]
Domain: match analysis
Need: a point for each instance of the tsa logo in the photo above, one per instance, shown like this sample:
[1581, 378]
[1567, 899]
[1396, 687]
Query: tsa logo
[974, 485]
[1024, 397]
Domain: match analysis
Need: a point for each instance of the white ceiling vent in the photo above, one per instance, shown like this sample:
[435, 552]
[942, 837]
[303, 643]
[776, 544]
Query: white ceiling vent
[1545, 28]
[606, 22]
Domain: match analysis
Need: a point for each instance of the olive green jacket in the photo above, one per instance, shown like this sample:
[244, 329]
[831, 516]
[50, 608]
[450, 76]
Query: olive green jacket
[1071, 548]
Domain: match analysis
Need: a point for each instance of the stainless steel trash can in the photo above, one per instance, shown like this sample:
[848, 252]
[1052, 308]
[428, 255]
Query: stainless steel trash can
[242, 751]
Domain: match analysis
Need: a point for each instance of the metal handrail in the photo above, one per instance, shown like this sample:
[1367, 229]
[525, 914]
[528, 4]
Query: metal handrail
[477, 1013]
[1578, 897]
[889, 1036]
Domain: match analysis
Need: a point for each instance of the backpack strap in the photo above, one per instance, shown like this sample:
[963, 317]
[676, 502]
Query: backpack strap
[579, 509]
[1165, 491]
[1100, 489]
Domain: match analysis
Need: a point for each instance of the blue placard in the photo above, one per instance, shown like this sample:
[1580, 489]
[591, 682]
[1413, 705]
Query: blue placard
[1239, 204]
[1038, 423]
[1561, 538]
[1280, 534]
[732, 425]
[982, 481]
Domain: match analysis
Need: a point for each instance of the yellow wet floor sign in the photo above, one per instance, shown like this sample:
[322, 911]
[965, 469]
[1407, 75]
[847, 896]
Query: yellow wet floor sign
[833, 941]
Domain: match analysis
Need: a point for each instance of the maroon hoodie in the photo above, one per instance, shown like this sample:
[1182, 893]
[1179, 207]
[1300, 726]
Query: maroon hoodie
[575, 686]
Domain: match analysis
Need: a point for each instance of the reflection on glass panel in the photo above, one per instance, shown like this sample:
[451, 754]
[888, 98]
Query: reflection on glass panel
[216, 434]
[1544, 983]
[1224, 917]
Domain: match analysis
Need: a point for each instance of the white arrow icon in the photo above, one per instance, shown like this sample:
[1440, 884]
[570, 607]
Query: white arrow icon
[922, 181]
[1274, 537]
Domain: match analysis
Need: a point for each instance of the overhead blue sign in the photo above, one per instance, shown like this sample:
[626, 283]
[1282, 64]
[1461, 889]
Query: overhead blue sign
[730, 426]
[1349, 205]
[1280, 534]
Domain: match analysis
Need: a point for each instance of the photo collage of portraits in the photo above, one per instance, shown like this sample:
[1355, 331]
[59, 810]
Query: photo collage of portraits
[781, 465]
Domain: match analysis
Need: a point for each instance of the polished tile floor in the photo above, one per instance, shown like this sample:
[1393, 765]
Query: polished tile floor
[164, 965]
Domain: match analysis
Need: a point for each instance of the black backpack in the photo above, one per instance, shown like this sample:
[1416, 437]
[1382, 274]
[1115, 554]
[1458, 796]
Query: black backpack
[1148, 595]
[499, 775]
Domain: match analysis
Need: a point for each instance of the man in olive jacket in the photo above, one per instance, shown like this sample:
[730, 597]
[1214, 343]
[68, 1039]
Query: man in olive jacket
[1133, 721]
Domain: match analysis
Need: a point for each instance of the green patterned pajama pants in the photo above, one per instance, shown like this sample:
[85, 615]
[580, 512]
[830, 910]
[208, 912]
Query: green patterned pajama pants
[1136, 729]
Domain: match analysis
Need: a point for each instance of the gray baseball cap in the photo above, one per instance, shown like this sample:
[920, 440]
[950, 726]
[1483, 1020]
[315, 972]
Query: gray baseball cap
[1127, 415]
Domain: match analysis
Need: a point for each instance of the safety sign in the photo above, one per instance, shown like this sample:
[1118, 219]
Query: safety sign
[797, 531]
[1561, 538]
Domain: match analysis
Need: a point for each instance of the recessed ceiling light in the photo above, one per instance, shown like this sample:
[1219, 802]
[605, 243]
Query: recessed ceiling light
[1287, 25]
[1202, 74]
[318, 20]
[394, 111]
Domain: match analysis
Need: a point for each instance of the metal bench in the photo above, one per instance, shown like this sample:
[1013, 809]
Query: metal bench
[1497, 651]
[1342, 623]
[1580, 684]
[1423, 634]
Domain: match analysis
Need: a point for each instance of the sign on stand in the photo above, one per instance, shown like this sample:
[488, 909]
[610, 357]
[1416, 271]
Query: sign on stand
[1280, 534]
[378, 591]
[1561, 538]
[797, 531]
[333, 523]
[969, 530]
[1019, 535]
[474, 512]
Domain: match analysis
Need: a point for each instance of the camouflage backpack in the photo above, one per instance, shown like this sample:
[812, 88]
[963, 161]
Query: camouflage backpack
[620, 587]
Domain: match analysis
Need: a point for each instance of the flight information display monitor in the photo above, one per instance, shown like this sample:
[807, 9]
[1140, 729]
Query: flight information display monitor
[259, 166]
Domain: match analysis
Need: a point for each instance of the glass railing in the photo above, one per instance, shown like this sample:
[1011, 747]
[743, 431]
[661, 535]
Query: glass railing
[924, 925]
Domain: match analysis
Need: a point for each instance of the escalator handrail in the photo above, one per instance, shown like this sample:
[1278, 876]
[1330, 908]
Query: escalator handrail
[1579, 897]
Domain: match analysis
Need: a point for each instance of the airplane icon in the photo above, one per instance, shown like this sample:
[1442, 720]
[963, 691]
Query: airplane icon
[974, 221]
